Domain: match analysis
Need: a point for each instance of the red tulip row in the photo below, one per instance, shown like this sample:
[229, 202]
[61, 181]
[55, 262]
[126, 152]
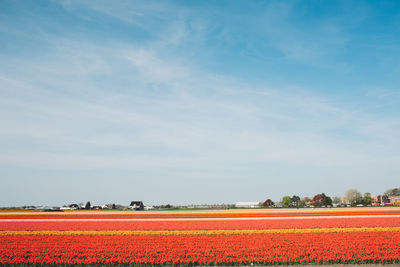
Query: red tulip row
[201, 249]
[200, 225]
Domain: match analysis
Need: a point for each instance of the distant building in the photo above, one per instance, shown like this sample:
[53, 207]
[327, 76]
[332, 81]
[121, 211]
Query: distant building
[395, 200]
[374, 201]
[70, 207]
[136, 205]
[268, 203]
[108, 206]
[344, 201]
[74, 206]
[383, 200]
[247, 204]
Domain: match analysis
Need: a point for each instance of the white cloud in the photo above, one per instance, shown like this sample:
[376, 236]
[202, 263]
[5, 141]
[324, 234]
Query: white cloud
[201, 132]
[156, 69]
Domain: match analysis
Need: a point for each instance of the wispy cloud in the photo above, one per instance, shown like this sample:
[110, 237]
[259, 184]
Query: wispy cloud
[260, 125]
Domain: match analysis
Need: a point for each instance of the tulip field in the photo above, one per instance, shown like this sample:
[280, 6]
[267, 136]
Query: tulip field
[238, 237]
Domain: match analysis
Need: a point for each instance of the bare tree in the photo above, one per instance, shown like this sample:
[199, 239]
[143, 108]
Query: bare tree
[353, 196]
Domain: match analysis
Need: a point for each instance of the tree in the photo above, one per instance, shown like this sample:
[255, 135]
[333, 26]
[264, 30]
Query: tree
[392, 192]
[286, 201]
[367, 198]
[295, 201]
[321, 200]
[268, 203]
[327, 201]
[353, 196]
[88, 206]
[317, 200]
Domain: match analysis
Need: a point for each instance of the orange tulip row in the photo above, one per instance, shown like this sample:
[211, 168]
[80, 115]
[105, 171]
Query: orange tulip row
[109, 225]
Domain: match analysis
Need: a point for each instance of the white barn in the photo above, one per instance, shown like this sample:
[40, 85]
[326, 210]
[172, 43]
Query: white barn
[247, 204]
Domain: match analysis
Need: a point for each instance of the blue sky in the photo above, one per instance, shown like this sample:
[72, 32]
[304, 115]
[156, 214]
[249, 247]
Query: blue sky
[197, 101]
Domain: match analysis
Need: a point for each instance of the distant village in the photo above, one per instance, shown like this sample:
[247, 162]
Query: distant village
[352, 198]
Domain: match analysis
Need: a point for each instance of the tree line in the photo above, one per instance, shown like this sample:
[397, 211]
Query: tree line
[351, 197]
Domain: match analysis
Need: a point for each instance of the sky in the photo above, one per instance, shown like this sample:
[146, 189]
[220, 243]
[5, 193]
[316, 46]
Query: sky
[193, 102]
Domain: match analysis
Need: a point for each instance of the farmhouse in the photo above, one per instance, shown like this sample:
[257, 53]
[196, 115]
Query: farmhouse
[136, 205]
